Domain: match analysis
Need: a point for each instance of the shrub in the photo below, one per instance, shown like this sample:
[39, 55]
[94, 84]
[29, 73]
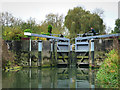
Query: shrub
[107, 76]
[27, 30]
[49, 28]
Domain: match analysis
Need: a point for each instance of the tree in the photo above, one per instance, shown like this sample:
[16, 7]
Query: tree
[49, 28]
[109, 29]
[7, 19]
[13, 28]
[117, 26]
[10, 26]
[51, 19]
[99, 12]
[55, 20]
[12, 33]
[27, 30]
[83, 21]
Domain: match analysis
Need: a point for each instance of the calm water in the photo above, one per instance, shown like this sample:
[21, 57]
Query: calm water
[49, 78]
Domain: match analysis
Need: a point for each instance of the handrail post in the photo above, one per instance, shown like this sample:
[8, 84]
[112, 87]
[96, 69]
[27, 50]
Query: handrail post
[92, 51]
[30, 51]
[39, 52]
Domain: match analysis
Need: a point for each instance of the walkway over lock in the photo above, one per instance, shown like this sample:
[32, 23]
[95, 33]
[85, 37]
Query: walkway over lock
[98, 37]
[45, 36]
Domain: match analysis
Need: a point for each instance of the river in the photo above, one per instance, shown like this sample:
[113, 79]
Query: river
[50, 78]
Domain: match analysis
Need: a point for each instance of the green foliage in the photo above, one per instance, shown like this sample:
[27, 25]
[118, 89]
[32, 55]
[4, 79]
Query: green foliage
[107, 76]
[45, 33]
[79, 20]
[48, 33]
[117, 27]
[42, 32]
[27, 30]
[14, 28]
[31, 24]
[12, 33]
[112, 31]
[49, 28]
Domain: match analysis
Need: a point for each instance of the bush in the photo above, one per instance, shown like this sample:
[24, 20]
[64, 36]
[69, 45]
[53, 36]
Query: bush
[12, 33]
[49, 28]
[107, 76]
[27, 30]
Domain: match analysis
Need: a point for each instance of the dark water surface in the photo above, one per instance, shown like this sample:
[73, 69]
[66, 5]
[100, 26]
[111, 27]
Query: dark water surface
[49, 78]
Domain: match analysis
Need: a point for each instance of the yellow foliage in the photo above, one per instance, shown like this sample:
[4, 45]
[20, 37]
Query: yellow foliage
[40, 38]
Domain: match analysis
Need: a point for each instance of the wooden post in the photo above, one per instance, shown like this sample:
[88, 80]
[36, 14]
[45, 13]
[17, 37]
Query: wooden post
[90, 60]
[39, 52]
[70, 58]
[69, 54]
[55, 51]
[30, 52]
[91, 52]
[51, 53]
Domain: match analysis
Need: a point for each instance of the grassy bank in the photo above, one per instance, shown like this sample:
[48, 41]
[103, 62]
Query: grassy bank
[107, 76]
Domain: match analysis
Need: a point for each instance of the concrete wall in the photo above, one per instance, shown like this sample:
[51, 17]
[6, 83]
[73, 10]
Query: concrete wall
[21, 48]
[102, 47]
[46, 53]
[103, 44]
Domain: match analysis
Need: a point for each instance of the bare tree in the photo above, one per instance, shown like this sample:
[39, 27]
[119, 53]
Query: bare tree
[54, 19]
[99, 12]
[7, 19]
[108, 30]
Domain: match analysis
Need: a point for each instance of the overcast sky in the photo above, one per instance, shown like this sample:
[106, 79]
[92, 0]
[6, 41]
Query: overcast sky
[38, 9]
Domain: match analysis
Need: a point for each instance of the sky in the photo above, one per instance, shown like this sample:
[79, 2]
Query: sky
[38, 9]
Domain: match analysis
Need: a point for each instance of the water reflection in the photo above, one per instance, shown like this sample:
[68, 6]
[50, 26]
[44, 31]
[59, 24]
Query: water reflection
[49, 78]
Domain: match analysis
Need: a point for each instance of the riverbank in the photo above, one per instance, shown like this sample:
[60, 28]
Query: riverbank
[13, 68]
[108, 76]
